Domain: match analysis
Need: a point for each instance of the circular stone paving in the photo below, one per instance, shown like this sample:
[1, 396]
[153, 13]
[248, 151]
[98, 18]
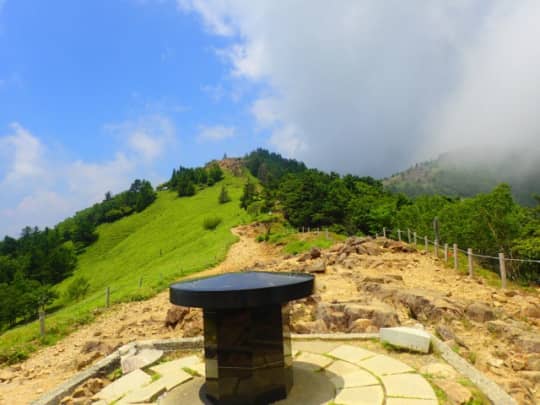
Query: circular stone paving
[345, 375]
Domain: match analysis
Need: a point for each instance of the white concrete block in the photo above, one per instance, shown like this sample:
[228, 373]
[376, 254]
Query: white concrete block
[408, 338]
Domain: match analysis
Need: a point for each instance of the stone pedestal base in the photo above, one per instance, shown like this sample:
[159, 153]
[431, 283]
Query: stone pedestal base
[248, 355]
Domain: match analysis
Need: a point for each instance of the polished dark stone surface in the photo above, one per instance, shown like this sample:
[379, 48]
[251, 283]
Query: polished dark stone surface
[246, 333]
[241, 290]
[248, 355]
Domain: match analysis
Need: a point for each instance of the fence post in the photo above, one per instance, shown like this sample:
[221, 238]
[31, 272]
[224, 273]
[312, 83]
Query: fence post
[384, 232]
[469, 255]
[409, 235]
[456, 262]
[502, 267]
[436, 248]
[426, 243]
[377, 235]
[41, 323]
[446, 252]
[326, 233]
[399, 234]
[107, 297]
[414, 236]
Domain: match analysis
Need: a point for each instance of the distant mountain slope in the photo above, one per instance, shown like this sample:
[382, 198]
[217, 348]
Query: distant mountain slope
[467, 173]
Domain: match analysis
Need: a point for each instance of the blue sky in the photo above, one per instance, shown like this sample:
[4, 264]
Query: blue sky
[82, 78]
[94, 94]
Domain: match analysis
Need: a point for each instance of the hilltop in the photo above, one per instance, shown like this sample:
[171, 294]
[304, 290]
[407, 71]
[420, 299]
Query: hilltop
[466, 173]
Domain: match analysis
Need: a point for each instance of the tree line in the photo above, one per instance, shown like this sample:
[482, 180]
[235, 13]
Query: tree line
[31, 264]
[488, 223]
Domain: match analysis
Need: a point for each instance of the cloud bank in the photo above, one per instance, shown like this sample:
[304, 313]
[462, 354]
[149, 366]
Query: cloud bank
[39, 189]
[370, 87]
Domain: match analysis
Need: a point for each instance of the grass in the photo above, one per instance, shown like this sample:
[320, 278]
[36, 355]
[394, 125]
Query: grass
[161, 244]
[294, 243]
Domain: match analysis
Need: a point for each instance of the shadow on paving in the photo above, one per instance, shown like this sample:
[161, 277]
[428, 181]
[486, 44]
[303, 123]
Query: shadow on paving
[309, 389]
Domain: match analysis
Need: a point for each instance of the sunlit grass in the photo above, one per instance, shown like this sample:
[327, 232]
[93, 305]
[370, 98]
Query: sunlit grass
[159, 245]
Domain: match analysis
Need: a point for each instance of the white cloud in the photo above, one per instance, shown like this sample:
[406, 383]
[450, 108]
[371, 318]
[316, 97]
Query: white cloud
[367, 85]
[215, 133]
[147, 136]
[22, 155]
[39, 189]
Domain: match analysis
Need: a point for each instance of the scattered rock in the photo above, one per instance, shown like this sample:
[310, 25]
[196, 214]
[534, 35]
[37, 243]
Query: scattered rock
[480, 312]
[528, 343]
[439, 370]
[530, 311]
[175, 314]
[315, 253]
[445, 332]
[532, 362]
[381, 315]
[361, 325]
[316, 267]
[306, 327]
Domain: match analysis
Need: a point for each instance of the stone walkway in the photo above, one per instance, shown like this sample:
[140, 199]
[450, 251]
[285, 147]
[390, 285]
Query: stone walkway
[323, 374]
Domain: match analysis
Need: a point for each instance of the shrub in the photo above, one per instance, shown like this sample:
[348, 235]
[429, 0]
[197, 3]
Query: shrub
[224, 196]
[78, 288]
[211, 223]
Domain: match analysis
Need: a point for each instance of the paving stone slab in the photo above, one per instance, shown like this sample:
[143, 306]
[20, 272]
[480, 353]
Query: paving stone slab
[173, 365]
[312, 361]
[125, 384]
[382, 365]
[360, 396]
[174, 379]
[341, 367]
[199, 368]
[350, 353]
[360, 378]
[409, 338]
[146, 394]
[143, 358]
[408, 401]
[408, 386]
[315, 346]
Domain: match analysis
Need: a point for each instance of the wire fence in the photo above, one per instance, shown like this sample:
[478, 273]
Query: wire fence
[412, 237]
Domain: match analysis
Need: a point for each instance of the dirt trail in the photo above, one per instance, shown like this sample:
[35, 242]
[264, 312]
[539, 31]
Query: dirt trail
[123, 323]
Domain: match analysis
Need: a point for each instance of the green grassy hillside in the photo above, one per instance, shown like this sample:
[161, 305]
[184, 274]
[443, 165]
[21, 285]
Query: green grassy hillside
[160, 244]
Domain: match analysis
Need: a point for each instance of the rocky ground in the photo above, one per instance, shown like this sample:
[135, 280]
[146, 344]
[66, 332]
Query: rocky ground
[361, 285]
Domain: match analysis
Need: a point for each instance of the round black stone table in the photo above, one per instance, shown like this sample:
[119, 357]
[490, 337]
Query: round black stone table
[247, 346]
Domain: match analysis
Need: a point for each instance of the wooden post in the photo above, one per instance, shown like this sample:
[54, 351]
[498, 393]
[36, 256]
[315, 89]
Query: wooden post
[436, 248]
[140, 282]
[326, 233]
[384, 232]
[469, 255]
[41, 323]
[414, 236]
[502, 268]
[426, 243]
[446, 252]
[409, 235]
[399, 234]
[107, 297]
[377, 235]
[456, 258]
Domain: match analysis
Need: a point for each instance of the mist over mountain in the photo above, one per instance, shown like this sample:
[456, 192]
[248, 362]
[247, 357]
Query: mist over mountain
[467, 172]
